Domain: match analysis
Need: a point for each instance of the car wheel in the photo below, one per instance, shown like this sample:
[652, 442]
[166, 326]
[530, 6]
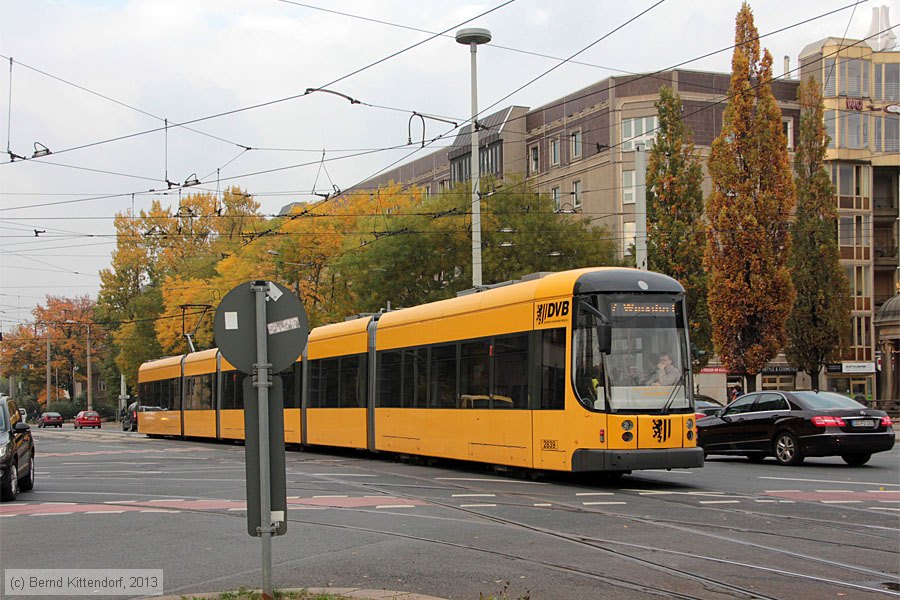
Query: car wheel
[28, 483]
[9, 489]
[787, 449]
[756, 457]
[856, 460]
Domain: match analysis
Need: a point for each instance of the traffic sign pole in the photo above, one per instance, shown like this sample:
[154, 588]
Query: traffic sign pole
[262, 384]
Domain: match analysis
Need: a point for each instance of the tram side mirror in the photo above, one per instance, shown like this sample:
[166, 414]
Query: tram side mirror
[604, 329]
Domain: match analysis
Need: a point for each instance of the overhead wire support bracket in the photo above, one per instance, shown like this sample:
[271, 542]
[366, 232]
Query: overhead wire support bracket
[423, 116]
[345, 96]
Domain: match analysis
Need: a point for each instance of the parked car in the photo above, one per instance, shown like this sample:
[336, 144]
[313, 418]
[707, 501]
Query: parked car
[87, 418]
[16, 452]
[706, 405]
[130, 420]
[50, 419]
[793, 425]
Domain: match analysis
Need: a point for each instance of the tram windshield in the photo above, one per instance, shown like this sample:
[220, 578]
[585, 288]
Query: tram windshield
[647, 368]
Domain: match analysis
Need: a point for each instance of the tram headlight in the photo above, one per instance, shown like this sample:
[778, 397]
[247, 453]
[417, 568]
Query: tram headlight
[690, 424]
[627, 436]
[627, 425]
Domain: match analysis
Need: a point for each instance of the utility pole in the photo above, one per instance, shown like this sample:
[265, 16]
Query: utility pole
[47, 333]
[89, 390]
[640, 206]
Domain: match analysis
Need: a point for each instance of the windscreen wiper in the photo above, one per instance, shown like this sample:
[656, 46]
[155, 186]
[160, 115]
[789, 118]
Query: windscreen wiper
[671, 398]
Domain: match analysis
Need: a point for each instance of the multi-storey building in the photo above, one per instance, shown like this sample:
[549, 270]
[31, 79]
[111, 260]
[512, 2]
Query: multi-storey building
[580, 150]
[861, 90]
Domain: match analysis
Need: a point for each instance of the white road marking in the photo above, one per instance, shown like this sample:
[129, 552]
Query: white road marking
[333, 496]
[542, 504]
[601, 503]
[48, 514]
[104, 512]
[593, 493]
[889, 501]
[841, 501]
[236, 509]
[59, 503]
[830, 481]
[720, 502]
[654, 493]
[119, 501]
[883, 491]
[395, 506]
[781, 491]
[786, 502]
[884, 508]
[472, 495]
[477, 505]
[768, 501]
[159, 510]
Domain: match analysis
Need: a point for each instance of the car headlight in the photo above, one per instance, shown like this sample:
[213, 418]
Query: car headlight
[2, 451]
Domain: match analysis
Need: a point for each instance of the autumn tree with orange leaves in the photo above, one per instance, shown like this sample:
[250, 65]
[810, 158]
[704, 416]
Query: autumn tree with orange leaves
[751, 293]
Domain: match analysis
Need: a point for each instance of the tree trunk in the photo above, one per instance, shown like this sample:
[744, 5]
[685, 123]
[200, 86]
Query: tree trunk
[749, 383]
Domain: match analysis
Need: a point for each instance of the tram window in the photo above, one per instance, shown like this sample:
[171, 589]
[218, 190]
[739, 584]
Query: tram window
[232, 390]
[415, 378]
[315, 383]
[198, 392]
[553, 369]
[328, 383]
[352, 382]
[292, 384]
[511, 371]
[442, 382]
[475, 374]
[389, 379]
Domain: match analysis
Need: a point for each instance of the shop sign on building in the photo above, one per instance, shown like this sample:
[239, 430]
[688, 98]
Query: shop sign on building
[858, 367]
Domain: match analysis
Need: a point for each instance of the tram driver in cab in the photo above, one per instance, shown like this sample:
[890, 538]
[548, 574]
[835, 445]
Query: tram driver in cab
[665, 373]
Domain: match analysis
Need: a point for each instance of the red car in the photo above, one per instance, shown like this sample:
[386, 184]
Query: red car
[87, 418]
[50, 419]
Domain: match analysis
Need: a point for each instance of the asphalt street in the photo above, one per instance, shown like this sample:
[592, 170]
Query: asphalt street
[113, 500]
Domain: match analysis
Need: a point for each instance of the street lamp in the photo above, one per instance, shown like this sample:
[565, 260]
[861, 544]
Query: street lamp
[472, 37]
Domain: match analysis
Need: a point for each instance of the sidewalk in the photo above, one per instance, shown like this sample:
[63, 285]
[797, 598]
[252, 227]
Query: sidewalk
[358, 593]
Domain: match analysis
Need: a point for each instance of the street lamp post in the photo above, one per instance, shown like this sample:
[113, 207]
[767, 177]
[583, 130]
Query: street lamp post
[472, 37]
[90, 404]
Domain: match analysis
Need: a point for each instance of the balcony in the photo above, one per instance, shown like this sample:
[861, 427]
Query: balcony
[885, 248]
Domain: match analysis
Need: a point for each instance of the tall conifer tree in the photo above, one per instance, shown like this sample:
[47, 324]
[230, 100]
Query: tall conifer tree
[750, 290]
[675, 229]
[821, 314]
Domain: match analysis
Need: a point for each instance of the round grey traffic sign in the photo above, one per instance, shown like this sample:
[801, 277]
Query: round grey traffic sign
[287, 327]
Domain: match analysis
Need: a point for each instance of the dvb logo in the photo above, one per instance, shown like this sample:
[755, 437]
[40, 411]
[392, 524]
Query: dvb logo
[550, 310]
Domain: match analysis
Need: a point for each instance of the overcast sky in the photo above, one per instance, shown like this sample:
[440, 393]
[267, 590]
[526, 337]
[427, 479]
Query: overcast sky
[183, 60]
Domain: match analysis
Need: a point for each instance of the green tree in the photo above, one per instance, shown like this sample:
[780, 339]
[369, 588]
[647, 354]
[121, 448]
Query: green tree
[821, 315]
[675, 229]
[750, 289]
[424, 254]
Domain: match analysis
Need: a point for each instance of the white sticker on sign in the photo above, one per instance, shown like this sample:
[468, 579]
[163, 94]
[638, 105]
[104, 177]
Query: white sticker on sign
[274, 293]
[231, 320]
[282, 326]
[277, 517]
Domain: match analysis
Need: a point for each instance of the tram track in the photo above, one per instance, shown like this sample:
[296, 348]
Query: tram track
[683, 529]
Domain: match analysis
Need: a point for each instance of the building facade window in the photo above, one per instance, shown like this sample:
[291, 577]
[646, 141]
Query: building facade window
[554, 193]
[887, 133]
[554, 151]
[831, 127]
[576, 194]
[534, 164]
[830, 88]
[640, 129]
[628, 187]
[854, 130]
[628, 230]
[853, 77]
[787, 126]
[575, 144]
[779, 382]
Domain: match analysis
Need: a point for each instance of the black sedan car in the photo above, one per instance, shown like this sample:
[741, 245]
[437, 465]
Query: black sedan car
[706, 405]
[16, 452]
[793, 425]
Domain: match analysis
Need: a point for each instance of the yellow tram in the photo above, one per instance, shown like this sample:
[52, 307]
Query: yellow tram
[583, 370]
